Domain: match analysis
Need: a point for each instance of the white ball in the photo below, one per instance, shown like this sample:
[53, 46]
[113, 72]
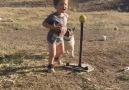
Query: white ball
[0, 19]
[103, 38]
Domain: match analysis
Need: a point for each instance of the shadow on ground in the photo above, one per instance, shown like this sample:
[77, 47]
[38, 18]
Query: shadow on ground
[22, 70]
[27, 69]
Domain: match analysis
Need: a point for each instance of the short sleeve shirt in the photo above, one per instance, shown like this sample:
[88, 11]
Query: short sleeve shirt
[55, 36]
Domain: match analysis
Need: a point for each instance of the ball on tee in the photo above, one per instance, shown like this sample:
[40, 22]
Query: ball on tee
[82, 18]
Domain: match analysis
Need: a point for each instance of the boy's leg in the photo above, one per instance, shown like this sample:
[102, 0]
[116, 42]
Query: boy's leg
[52, 53]
[59, 51]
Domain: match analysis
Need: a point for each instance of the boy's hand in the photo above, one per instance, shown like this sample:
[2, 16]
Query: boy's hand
[57, 26]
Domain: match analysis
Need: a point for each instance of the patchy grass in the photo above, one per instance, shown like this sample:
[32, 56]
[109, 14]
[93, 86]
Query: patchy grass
[85, 86]
[20, 19]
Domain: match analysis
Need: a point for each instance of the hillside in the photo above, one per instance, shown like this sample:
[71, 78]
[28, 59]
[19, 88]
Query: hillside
[80, 5]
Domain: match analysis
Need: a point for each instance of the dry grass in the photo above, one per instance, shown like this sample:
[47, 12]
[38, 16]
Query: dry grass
[23, 51]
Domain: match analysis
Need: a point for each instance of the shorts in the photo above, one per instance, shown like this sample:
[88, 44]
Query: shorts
[54, 38]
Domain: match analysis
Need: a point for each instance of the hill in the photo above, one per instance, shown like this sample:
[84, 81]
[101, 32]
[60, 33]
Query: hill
[80, 5]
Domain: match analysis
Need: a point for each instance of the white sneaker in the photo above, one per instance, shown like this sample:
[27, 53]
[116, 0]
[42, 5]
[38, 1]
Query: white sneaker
[50, 68]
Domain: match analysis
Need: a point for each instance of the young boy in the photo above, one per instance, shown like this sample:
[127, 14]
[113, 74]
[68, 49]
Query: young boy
[57, 24]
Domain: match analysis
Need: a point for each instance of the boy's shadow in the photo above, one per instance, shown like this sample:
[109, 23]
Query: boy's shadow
[27, 69]
[19, 58]
[22, 70]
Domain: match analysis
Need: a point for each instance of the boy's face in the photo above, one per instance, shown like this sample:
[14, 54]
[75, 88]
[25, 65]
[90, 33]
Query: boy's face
[62, 6]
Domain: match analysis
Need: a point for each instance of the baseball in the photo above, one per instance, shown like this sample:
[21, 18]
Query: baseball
[0, 19]
[103, 38]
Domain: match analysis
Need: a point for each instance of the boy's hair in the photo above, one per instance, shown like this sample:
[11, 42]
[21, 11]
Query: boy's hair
[55, 2]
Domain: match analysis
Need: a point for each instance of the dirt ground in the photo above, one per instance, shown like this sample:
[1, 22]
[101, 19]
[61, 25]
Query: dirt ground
[23, 51]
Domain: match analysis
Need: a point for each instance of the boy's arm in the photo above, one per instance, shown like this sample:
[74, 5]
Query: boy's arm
[54, 26]
[46, 25]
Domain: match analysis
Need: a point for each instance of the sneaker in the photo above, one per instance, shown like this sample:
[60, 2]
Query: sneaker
[50, 68]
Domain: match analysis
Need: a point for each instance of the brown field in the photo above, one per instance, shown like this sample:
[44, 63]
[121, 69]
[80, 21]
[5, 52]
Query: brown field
[23, 51]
